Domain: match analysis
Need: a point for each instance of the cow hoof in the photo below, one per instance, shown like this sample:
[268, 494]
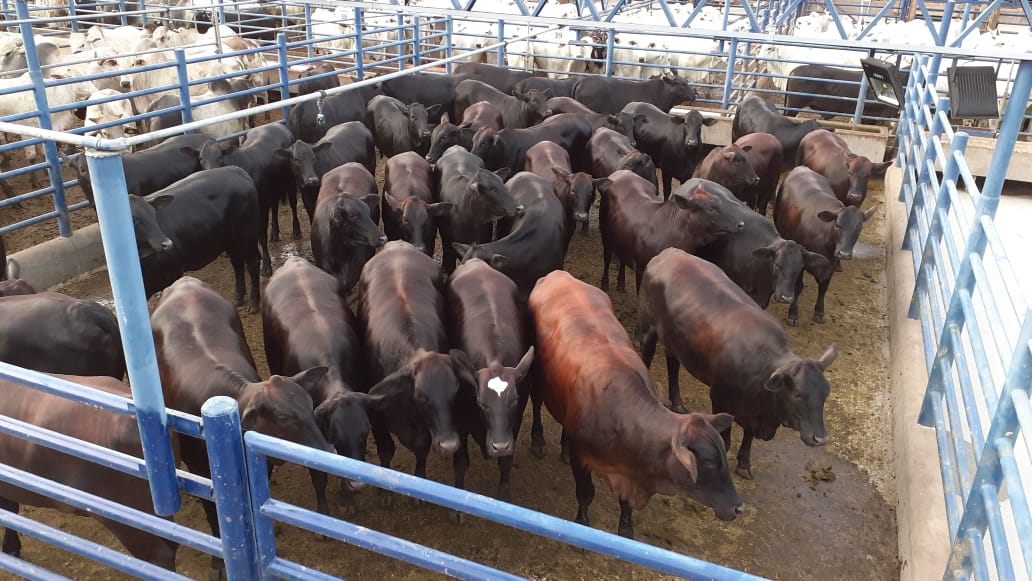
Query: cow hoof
[504, 494]
[679, 408]
[537, 450]
[457, 518]
[744, 472]
[793, 322]
[818, 318]
[274, 237]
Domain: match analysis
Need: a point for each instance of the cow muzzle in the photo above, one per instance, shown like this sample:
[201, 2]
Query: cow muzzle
[580, 216]
[125, 84]
[312, 181]
[691, 142]
[843, 255]
[783, 299]
[166, 244]
[447, 446]
[814, 439]
[496, 449]
[755, 181]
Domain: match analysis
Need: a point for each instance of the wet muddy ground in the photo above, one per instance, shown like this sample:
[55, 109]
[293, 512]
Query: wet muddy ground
[811, 513]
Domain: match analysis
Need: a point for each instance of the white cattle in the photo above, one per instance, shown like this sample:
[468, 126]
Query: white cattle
[97, 61]
[107, 112]
[169, 75]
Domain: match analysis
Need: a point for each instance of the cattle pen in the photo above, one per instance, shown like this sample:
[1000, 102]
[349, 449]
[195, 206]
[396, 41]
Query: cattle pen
[970, 308]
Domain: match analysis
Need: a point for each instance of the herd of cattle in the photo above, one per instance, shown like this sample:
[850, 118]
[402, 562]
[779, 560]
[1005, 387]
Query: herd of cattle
[504, 166]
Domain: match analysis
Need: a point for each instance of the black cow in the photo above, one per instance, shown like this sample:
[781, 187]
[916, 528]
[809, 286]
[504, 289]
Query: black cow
[576, 191]
[609, 152]
[55, 333]
[487, 322]
[673, 142]
[700, 316]
[508, 147]
[518, 111]
[426, 89]
[398, 127]
[447, 134]
[271, 173]
[309, 121]
[402, 309]
[556, 87]
[620, 122]
[730, 167]
[190, 223]
[536, 245]
[755, 115]
[607, 95]
[503, 79]
[477, 197]
[323, 83]
[343, 143]
[833, 90]
[408, 208]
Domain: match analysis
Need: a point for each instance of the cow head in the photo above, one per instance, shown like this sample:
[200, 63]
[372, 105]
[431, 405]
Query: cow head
[737, 171]
[428, 387]
[418, 220]
[211, 155]
[467, 252]
[576, 191]
[787, 259]
[419, 130]
[150, 239]
[622, 123]
[860, 170]
[697, 465]
[848, 221]
[282, 408]
[679, 89]
[446, 135]
[302, 163]
[344, 420]
[351, 219]
[490, 198]
[692, 124]
[537, 102]
[801, 390]
[500, 390]
[709, 213]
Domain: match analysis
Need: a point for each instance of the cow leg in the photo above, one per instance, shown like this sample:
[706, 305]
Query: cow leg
[647, 340]
[266, 212]
[585, 487]
[252, 261]
[793, 309]
[607, 257]
[822, 289]
[385, 449]
[564, 448]
[673, 366]
[144, 546]
[319, 481]
[537, 429]
[639, 273]
[295, 225]
[668, 184]
[744, 468]
[460, 462]
[504, 471]
[584, 227]
[626, 527]
[270, 213]
[12, 541]
[448, 256]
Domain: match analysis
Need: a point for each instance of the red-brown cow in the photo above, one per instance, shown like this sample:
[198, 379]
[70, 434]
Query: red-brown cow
[306, 323]
[575, 190]
[848, 173]
[202, 353]
[613, 422]
[739, 350]
[808, 212]
[730, 167]
[91, 424]
[482, 114]
[408, 208]
[636, 225]
[488, 324]
[610, 151]
[402, 308]
[765, 153]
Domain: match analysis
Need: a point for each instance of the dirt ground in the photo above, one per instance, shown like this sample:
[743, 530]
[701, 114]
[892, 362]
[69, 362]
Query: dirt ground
[811, 513]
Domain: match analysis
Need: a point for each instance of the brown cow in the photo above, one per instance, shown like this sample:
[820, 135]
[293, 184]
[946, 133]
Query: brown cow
[730, 167]
[91, 424]
[482, 114]
[575, 190]
[726, 341]
[848, 173]
[408, 208]
[765, 153]
[202, 353]
[487, 322]
[808, 212]
[614, 424]
[610, 151]
[636, 225]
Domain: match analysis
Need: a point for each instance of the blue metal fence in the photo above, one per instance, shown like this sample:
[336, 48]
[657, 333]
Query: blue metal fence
[977, 329]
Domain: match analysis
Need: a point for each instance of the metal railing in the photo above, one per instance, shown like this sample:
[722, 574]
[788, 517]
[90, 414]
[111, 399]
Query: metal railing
[977, 329]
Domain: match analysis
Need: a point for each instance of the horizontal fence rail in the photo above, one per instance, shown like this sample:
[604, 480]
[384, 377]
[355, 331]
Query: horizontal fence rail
[977, 329]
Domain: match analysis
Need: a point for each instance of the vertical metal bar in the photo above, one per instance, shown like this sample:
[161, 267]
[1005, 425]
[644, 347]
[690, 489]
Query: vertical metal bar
[221, 13]
[399, 45]
[121, 10]
[417, 40]
[71, 12]
[143, 7]
[264, 527]
[224, 439]
[184, 86]
[123, 262]
[284, 71]
[308, 28]
[501, 38]
[944, 27]
[39, 94]
[448, 42]
[1009, 129]
[732, 54]
[359, 49]
[610, 46]
[860, 101]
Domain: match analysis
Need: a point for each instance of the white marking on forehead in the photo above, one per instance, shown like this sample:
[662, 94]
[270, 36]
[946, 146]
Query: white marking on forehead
[497, 385]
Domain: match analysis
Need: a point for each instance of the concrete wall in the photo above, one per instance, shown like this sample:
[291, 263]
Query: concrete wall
[61, 259]
[921, 510]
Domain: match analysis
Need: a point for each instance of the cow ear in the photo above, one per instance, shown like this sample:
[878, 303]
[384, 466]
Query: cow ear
[372, 200]
[498, 261]
[309, 378]
[463, 367]
[444, 118]
[640, 120]
[828, 357]
[161, 201]
[523, 367]
[827, 216]
[709, 121]
[80, 113]
[685, 456]
[220, 86]
[461, 249]
[813, 261]
[676, 119]
[764, 252]
[561, 173]
[878, 169]
[322, 147]
[249, 418]
[189, 151]
[720, 422]
[746, 148]
[776, 382]
[729, 154]
[391, 389]
[284, 153]
[439, 210]
[692, 201]
[602, 184]
[869, 212]
[503, 173]
[433, 109]
[390, 199]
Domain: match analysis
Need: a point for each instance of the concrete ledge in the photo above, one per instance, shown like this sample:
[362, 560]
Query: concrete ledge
[924, 540]
[61, 259]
